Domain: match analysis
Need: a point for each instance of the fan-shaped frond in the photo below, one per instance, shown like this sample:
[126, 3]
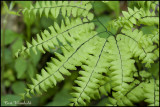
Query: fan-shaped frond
[72, 56]
[116, 66]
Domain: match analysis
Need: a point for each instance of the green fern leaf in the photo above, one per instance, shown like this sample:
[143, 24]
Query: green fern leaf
[94, 71]
[66, 7]
[141, 46]
[152, 93]
[48, 40]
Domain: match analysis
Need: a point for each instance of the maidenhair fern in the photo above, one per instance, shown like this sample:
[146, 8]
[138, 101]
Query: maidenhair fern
[108, 64]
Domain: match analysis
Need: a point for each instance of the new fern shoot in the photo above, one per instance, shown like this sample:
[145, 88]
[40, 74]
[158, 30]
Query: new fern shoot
[109, 63]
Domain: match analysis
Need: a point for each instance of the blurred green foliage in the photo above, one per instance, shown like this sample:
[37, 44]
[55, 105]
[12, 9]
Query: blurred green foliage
[8, 100]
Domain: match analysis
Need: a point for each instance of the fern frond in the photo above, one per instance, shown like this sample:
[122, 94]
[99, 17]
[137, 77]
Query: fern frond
[141, 46]
[120, 64]
[55, 7]
[132, 95]
[91, 76]
[136, 17]
[67, 32]
[152, 92]
[72, 56]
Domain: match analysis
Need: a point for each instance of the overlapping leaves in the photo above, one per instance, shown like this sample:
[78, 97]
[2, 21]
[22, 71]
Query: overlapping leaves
[108, 64]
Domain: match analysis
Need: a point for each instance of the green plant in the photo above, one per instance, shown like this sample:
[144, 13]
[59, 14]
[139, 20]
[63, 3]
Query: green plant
[116, 64]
